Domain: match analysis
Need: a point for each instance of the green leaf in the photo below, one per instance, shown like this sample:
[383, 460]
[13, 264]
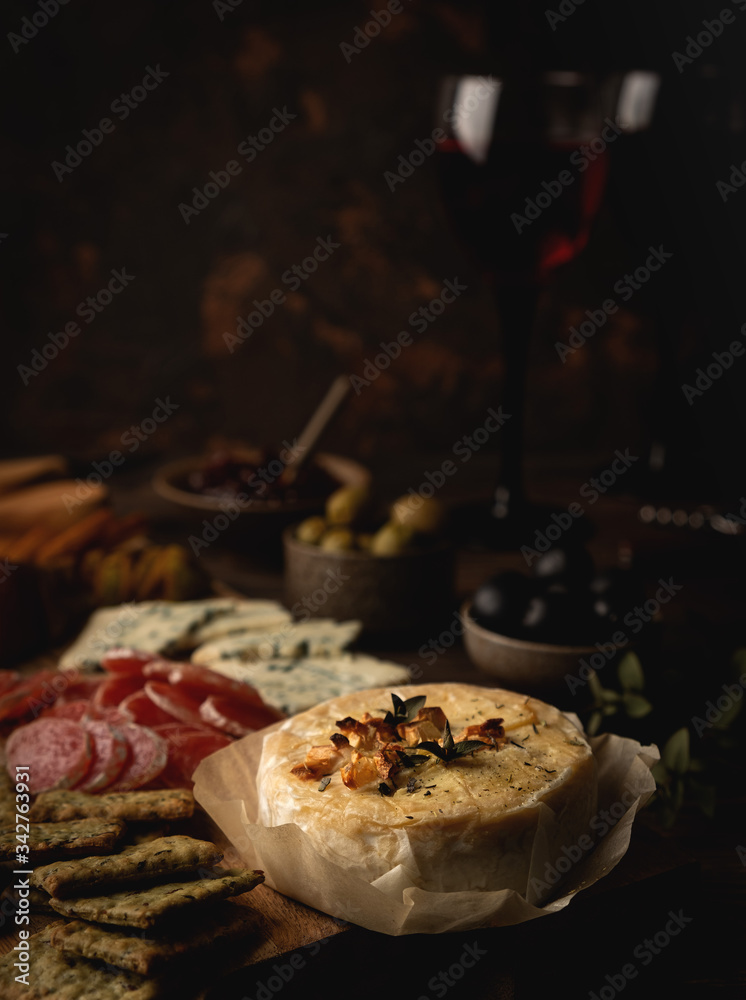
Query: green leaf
[726, 719]
[595, 686]
[659, 773]
[468, 746]
[447, 738]
[676, 752]
[413, 705]
[404, 711]
[630, 673]
[434, 748]
[412, 759]
[636, 706]
[610, 696]
[593, 724]
[738, 662]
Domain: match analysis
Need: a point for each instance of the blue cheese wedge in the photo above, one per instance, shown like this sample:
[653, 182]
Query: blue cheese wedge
[293, 685]
[164, 627]
[249, 616]
[318, 637]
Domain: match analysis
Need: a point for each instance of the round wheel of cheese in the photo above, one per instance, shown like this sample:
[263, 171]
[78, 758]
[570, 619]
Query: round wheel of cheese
[458, 812]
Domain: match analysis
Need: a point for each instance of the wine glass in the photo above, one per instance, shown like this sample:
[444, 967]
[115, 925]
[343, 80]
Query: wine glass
[524, 162]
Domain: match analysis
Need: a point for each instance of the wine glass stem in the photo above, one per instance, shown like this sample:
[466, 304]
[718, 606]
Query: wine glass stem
[517, 309]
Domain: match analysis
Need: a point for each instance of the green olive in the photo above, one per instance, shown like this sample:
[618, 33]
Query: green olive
[344, 505]
[390, 540]
[311, 530]
[338, 540]
[421, 514]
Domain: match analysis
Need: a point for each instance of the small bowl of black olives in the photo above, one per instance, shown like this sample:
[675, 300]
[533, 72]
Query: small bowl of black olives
[533, 631]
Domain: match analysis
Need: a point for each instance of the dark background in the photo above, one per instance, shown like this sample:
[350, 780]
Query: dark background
[323, 175]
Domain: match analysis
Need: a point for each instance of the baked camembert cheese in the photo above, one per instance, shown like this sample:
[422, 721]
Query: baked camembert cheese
[459, 785]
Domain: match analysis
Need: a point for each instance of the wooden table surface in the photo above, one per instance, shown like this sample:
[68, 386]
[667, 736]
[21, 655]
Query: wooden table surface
[612, 939]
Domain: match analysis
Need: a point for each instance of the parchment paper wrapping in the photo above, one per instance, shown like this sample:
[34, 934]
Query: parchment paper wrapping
[225, 786]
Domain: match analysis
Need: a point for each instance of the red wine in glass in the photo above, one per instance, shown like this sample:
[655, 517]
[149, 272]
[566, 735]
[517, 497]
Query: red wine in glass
[523, 164]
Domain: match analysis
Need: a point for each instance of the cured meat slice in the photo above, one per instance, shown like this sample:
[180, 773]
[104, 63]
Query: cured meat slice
[8, 680]
[31, 695]
[110, 753]
[79, 688]
[114, 690]
[142, 709]
[127, 662]
[200, 682]
[236, 718]
[57, 753]
[177, 703]
[148, 757]
[75, 710]
[183, 759]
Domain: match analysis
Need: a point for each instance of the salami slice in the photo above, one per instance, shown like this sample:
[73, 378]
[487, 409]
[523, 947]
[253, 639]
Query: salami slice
[199, 682]
[32, 695]
[126, 662]
[79, 688]
[8, 680]
[177, 703]
[142, 709]
[236, 718]
[75, 710]
[110, 753]
[114, 690]
[194, 748]
[57, 753]
[147, 758]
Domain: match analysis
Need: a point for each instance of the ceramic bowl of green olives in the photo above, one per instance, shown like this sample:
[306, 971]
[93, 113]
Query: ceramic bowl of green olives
[394, 575]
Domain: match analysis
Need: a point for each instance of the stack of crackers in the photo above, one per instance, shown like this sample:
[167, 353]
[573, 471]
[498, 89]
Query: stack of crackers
[142, 905]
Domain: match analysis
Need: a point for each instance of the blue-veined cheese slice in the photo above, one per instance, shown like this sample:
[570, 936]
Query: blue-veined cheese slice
[292, 685]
